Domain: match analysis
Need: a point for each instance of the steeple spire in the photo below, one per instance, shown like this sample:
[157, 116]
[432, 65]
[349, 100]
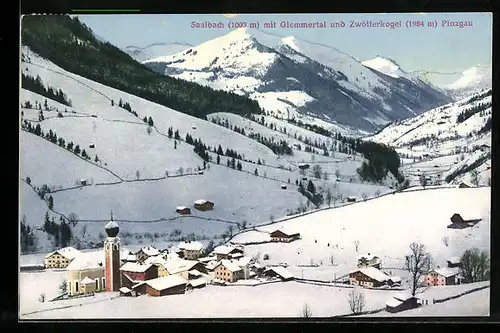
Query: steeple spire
[111, 215]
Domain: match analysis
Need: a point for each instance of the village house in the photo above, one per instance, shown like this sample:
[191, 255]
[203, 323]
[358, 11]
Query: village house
[402, 302]
[281, 236]
[61, 258]
[442, 277]
[460, 221]
[278, 272]
[182, 267]
[369, 277]
[394, 281]
[227, 252]
[244, 264]
[146, 252]
[228, 271]
[84, 269]
[191, 250]
[132, 273]
[203, 205]
[183, 210]
[368, 260]
[166, 285]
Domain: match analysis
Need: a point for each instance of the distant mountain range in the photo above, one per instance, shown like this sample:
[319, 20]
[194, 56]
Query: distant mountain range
[293, 78]
[154, 50]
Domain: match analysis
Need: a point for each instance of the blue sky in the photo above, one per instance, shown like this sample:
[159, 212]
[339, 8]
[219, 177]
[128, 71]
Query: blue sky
[438, 49]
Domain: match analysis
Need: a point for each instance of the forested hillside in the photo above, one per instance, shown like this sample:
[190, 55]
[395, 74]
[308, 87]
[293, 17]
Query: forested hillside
[73, 46]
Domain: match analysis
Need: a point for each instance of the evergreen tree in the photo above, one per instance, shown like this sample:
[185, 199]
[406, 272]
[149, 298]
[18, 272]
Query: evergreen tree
[218, 159]
[96, 159]
[239, 166]
[233, 163]
[77, 149]
[112, 103]
[84, 153]
[175, 144]
[150, 121]
[170, 132]
[46, 223]
[176, 135]
[50, 202]
[228, 163]
[220, 151]
[145, 119]
[256, 172]
[120, 103]
[311, 188]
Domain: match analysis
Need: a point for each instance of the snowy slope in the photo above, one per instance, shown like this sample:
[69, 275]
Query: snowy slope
[287, 75]
[384, 65]
[155, 50]
[384, 227]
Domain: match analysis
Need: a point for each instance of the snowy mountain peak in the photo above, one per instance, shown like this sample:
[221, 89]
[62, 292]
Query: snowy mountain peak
[472, 76]
[384, 65]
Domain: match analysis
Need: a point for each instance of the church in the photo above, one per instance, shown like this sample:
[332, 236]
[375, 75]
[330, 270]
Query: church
[97, 271]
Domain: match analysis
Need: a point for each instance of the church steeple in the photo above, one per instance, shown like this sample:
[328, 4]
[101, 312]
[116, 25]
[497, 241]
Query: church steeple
[112, 227]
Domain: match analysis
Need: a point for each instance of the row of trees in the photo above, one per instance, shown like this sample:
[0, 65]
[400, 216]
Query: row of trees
[61, 231]
[52, 137]
[36, 86]
[104, 63]
[469, 112]
[29, 240]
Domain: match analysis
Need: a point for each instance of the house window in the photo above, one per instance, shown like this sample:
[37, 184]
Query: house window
[96, 284]
[69, 287]
[103, 283]
[76, 286]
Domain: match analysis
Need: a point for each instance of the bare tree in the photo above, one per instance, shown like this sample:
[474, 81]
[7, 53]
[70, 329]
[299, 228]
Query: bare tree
[377, 193]
[149, 130]
[364, 196]
[329, 197]
[356, 300]
[446, 240]
[337, 173]
[332, 260]
[72, 219]
[317, 171]
[474, 177]
[417, 263]
[356, 245]
[63, 287]
[42, 297]
[306, 311]
[137, 174]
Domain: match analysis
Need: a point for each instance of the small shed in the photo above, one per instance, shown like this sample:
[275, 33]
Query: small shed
[197, 283]
[124, 291]
[183, 210]
[91, 145]
[460, 221]
[453, 262]
[283, 187]
[351, 199]
[203, 205]
[303, 166]
[83, 181]
[193, 127]
[279, 272]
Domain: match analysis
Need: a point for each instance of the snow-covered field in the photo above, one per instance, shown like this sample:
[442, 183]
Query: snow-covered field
[384, 226]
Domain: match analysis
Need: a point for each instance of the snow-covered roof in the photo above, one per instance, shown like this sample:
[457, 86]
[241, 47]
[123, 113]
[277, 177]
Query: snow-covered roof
[212, 264]
[180, 207]
[155, 260]
[192, 246]
[205, 259]
[131, 257]
[257, 265]
[393, 303]
[87, 260]
[230, 265]
[67, 252]
[166, 282]
[470, 216]
[446, 272]
[150, 251]
[200, 202]
[111, 224]
[454, 260]
[373, 273]
[223, 249]
[198, 282]
[125, 290]
[352, 197]
[135, 267]
[243, 261]
[236, 255]
[195, 272]
[403, 296]
[87, 280]
[395, 279]
[175, 266]
[367, 256]
[282, 271]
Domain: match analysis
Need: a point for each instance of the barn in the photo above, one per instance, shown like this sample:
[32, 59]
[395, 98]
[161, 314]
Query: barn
[166, 285]
[183, 210]
[203, 205]
[402, 302]
[281, 236]
[460, 221]
[279, 272]
[132, 272]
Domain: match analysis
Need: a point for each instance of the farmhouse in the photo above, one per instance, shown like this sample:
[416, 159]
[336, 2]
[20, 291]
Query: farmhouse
[146, 252]
[460, 221]
[402, 302]
[279, 272]
[368, 277]
[281, 236]
[61, 258]
[84, 268]
[191, 250]
[182, 267]
[203, 205]
[228, 271]
[166, 285]
[227, 252]
[197, 283]
[131, 273]
[183, 210]
[368, 260]
[442, 277]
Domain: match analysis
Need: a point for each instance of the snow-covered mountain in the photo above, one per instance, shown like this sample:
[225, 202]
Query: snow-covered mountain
[449, 132]
[386, 66]
[155, 50]
[288, 76]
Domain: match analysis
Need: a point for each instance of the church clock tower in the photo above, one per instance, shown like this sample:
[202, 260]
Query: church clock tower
[112, 256]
